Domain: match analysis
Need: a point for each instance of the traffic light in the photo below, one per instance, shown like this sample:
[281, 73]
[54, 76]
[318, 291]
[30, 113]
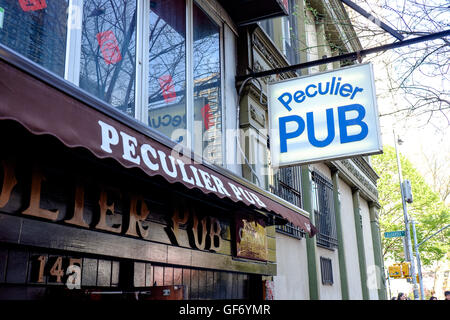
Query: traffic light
[400, 270]
[407, 191]
[406, 269]
[409, 279]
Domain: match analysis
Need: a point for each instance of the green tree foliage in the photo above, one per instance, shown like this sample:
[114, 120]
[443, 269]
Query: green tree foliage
[428, 210]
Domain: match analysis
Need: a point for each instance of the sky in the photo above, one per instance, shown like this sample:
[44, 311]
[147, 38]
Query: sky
[421, 134]
[423, 137]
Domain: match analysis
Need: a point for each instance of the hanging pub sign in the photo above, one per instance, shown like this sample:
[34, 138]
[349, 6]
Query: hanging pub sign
[325, 116]
[251, 240]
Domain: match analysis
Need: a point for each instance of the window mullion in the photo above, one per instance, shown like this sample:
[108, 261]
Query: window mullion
[73, 47]
[189, 76]
[142, 61]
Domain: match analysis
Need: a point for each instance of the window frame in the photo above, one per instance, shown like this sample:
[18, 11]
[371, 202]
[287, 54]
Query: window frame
[325, 238]
[326, 271]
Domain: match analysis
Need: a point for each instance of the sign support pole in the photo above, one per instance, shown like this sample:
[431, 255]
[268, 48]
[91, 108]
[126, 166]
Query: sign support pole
[407, 233]
[419, 265]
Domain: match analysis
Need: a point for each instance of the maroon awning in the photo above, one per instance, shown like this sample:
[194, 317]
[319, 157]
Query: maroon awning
[44, 109]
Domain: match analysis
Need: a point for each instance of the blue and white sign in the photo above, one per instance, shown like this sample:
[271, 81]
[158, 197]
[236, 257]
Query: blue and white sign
[325, 116]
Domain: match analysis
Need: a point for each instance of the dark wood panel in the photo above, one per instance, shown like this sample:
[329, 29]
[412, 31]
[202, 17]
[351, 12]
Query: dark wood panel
[89, 272]
[168, 276]
[240, 286]
[104, 273]
[235, 286]
[74, 239]
[58, 236]
[158, 275]
[17, 266]
[202, 288]
[10, 228]
[187, 282]
[209, 284]
[179, 256]
[228, 285]
[148, 275]
[194, 284]
[115, 269]
[139, 274]
[3, 261]
[177, 276]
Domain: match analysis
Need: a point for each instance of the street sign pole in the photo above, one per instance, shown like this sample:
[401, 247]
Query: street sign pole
[407, 233]
[419, 264]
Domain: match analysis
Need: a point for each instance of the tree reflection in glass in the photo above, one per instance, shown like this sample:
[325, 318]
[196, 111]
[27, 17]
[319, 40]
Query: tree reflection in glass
[108, 52]
[38, 31]
[207, 87]
[167, 68]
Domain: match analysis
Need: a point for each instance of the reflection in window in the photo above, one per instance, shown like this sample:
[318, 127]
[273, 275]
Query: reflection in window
[37, 29]
[167, 68]
[207, 84]
[108, 52]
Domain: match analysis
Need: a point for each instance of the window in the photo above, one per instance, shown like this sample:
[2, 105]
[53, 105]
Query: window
[108, 52]
[312, 50]
[323, 207]
[290, 40]
[158, 61]
[37, 30]
[326, 270]
[267, 26]
[167, 68]
[207, 86]
[184, 96]
[287, 185]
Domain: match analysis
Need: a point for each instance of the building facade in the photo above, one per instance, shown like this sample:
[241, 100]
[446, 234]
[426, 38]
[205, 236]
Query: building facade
[343, 261]
[137, 167]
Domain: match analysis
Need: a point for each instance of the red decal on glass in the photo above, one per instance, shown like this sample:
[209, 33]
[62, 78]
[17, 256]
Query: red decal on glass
[207, 117]
[168, 90]
[286, 5]
[109, 47]
[32, 5]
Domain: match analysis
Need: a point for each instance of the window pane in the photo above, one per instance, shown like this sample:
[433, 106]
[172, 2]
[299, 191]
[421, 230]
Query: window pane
[207, 95]
[108, 51]
[167, 68]
[36, 29]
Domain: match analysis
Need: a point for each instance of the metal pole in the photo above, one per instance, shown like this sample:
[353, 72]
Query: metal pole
[428, 238]
[405, 216]
[419, 264]
[389, 285]
[345, 56]
[379, 23]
